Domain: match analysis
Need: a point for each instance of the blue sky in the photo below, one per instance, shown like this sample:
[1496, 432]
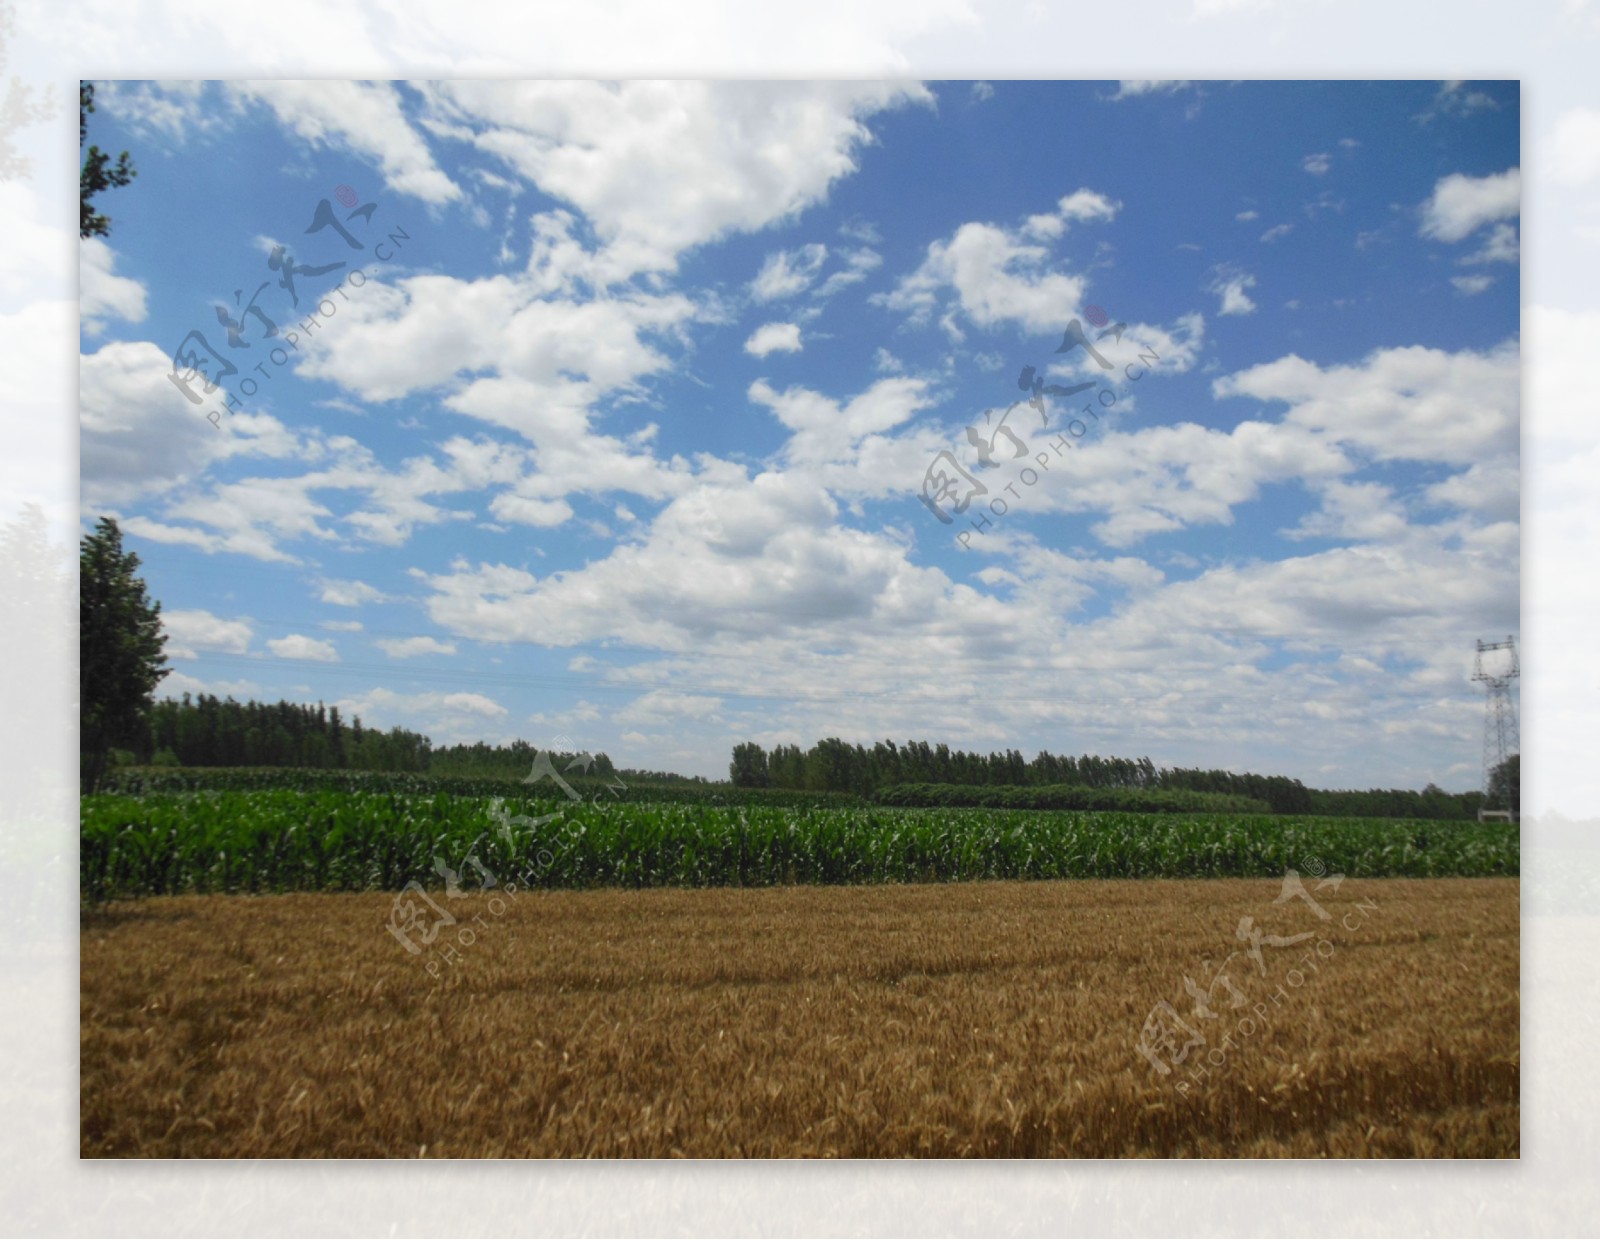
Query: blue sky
[624, 440]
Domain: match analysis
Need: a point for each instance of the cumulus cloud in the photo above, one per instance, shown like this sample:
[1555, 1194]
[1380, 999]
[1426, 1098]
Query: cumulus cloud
[1461, 204]
[997, 276]
[191, 631]
[102, 294]
[445, 718]
[826, 430]
[1411, 403]
[995, 279]
[139, 435]
[773, 338]
[299, 646]
[364, 117]
[660, 167]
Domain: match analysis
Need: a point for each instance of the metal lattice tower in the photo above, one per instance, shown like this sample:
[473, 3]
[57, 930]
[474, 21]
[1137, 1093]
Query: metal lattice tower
[1501, 737]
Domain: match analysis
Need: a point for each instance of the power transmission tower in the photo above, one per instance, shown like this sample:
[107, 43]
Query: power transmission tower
[1501, 738]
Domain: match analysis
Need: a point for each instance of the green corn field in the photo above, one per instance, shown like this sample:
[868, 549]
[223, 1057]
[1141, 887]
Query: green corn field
[164, 843]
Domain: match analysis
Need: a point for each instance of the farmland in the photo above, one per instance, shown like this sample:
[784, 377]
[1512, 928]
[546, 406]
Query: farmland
[978, 1018]
[750, 972]
[336, 839]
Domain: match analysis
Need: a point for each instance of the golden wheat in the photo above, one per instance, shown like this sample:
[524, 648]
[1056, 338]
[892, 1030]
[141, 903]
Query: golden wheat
[987, 1019]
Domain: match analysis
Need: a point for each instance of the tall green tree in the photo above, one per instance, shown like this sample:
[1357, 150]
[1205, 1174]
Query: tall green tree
[1505, 785]
[749, 766]
[120, 659]
[98, 173]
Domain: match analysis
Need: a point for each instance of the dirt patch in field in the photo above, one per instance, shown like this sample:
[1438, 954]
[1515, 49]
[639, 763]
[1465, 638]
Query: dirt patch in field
[988, 1019]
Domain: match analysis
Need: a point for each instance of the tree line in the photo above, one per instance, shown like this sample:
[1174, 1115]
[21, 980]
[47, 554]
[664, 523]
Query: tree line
[211, 731]
[833, 765]
[513, 761]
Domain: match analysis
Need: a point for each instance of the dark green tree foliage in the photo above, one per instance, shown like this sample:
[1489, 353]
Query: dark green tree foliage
[511, 761]
[212, 731]
[98, 173]
[749, 766]
[1505, 785]
[120, 643]
[833, 765]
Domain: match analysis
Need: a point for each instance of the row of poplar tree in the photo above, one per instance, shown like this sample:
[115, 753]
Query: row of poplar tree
[834, 765]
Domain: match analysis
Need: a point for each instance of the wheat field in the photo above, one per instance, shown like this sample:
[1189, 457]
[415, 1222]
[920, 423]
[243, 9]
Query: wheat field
[943, 1020]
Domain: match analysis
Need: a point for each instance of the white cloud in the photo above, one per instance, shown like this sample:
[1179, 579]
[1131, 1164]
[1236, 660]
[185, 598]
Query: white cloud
[982, 92]
[1085, 204]
[1501, 246]
[1410, 403]
[1244, 217]
[659, 167]
[526, 510]
[1165, 478]
[1454, 99]
[825, 430]
[445, 718]
[409, 647]
[995, 280]
[190, 631]
[169, 110]
[996, 276]
[1276, 231]
[140, 436]
[788, 272]
[1128, 88]
[350, 593]
[342, 626]
[1317, 164]
[1359, 511]
[773, 338]
[858, 265]
[1469, 286]
[1491, 489]
[102, 294]
[659, 707]
[1230, 285]
[365, 117]
[1460, 204]
[299, 646]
